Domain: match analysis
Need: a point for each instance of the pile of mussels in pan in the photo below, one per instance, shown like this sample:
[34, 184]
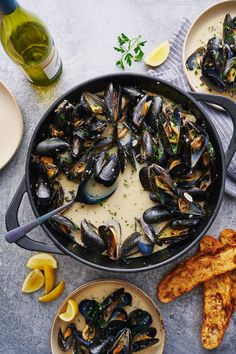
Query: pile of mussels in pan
[109, 329]
[217, 60]
[96, 139]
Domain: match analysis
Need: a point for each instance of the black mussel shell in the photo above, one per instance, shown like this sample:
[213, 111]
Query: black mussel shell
[116, 322]
[43, 192]
[65, 225]
[145, 178]
[111, 238]
[130, 244]
[144, 344]
[138, 321]
[58, 195]
[90, 238]
[212, 78]
[100, 344]
[92, 312]
[118, 299]
[147, 145]
[141, 110]
[66, 339]
[48, 167]
[51, 147]
[196, 59]
[230, 71]
[109, 172]
[132, 92]
[156, 214]
[121, 156]
[154, 111]
[122, 343]
[95, 104]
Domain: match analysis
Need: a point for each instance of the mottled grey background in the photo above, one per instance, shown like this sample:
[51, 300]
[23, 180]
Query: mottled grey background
[85, 32]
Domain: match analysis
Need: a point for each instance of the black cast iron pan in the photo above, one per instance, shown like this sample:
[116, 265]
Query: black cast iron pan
[66, 246]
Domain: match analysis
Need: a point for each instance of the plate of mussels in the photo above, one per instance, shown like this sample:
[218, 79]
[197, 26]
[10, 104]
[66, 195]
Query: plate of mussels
[209, 54]
[114, 317]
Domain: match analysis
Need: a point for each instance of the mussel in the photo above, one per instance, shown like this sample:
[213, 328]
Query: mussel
[196, 59]
[91, 238]
[66, 338]
[51, 147]
[156, 214]
[122, 343]
[138, 321]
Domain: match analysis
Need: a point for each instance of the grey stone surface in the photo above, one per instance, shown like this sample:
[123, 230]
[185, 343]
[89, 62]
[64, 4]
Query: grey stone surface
[85, 32]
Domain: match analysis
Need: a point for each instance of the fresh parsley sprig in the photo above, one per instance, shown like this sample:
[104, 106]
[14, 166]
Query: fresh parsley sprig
[131, 50]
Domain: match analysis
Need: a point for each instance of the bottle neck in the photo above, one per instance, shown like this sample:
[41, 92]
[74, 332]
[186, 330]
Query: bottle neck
[7, 7]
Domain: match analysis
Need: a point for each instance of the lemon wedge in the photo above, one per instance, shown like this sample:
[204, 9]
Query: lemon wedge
[54, 294]
[159, 55]
[33, 282]
[39, 260]
[49, 278]
[71, 311]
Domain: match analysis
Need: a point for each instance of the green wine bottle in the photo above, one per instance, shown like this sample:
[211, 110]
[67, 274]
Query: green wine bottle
[28, 43]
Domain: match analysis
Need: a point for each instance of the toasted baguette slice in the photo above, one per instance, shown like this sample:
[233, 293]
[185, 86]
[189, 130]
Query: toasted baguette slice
[228, 237]
[195, 270]
[217, 306]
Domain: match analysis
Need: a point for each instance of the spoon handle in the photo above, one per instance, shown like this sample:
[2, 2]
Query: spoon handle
[17, 233]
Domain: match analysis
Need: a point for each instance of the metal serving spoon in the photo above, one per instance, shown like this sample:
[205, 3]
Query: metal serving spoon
[82, 196]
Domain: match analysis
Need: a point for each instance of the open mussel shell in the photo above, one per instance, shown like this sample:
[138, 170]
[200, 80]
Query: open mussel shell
[122, 343]
[51, 147]
[116, 300]
[58, 195]
[147, 237]
[216, 52]
[113, 100]
[96, 104]
[116, 322]
[196, 59]
[43, 192]
[66, 338]
[65, 225]
[140, 110]
[91, 238]
[111, 235]
[145, 178]
[229, 73]
[156, 214]
[177, 230]
[186, 205]
[48, 167]
[100, 344]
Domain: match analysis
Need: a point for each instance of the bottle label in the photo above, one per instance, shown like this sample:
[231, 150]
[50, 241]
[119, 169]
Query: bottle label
[51, 64]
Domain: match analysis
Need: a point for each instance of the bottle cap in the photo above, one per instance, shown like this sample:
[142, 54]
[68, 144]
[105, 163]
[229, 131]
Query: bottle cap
[7, 6]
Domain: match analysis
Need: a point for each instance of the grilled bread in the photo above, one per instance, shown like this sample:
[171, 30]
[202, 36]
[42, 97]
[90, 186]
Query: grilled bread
[217, 305]
[228, 237]
[195, 270]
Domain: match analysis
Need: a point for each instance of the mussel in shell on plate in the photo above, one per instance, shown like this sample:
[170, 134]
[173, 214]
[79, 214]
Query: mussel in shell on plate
[109, 327]
[216, 60]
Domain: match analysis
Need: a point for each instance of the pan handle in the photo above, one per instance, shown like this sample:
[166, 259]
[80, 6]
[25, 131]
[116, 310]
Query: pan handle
[230, 107]
[12, 222]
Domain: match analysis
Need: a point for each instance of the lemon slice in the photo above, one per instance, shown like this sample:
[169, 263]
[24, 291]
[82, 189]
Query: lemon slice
[39, 260]
[71, 311]
[33, 282]
[159, 55]
[54, 294]
[49, 278]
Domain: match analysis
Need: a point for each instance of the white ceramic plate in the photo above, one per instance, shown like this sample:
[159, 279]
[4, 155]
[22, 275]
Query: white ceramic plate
[11, 125]
[98, 290]
[210, 22]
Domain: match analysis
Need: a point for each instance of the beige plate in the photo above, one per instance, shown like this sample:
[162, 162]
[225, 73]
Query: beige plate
[98, 290]
[11, 123]
[210, 22]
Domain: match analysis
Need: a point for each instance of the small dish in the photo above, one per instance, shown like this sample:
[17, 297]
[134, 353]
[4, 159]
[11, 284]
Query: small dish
[207, 24]
[98, 290]
[11, 123]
